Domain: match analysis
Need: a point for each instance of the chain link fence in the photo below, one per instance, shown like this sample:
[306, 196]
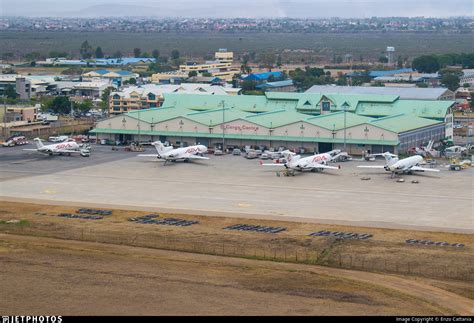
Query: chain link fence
[329, 252]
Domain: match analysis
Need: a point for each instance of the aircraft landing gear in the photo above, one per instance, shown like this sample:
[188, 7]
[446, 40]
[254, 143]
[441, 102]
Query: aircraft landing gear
[285, 172]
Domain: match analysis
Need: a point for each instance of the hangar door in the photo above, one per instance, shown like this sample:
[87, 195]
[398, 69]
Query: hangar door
[324, 147]
[380, 149]
[203, 141]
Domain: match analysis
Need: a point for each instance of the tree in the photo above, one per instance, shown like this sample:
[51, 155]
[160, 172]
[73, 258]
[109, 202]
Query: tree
[268, 60]
[56, 54]
[7, 56]
[86, 50]
[175, 54]
[10, 92]
[104, 105]
[248, 85]
[383, 59]
[137, 52]
[60, 104]
[192, 74]
[451, 81]
[33, 56]
[426, 64]
[99, 53]
[400, 61]
[117, 54]
[155, 54]
[132, 81]
[84, 106]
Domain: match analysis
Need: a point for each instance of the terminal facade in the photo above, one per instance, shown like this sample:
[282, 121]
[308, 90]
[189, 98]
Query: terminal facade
[317, 122]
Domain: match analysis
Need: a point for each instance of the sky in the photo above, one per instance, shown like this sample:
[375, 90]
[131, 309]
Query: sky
[238, 8]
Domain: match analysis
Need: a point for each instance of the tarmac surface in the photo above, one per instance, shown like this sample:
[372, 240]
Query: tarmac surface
[234, 186]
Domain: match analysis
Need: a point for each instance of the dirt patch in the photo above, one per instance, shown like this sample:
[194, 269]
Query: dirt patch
[42, 275]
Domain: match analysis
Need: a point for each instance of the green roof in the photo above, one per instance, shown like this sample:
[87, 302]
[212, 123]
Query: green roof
[216, 116]
[335, 120]
[403, 122]
[156, 115]
[276, 118]
[250, 103]
[420, 108]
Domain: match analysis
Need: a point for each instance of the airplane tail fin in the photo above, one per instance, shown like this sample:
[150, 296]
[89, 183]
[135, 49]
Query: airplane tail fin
[38, 142]
[160, 148]
[430, 145]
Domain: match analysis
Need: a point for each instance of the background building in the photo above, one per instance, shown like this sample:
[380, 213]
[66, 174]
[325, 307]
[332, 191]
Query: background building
[151, 95]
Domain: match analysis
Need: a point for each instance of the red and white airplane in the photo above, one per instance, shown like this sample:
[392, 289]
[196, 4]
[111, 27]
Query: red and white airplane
[297, 163]
[63, 148]
[170, 154]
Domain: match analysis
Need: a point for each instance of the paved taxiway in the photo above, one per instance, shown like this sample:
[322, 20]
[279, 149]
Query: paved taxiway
[234, 186]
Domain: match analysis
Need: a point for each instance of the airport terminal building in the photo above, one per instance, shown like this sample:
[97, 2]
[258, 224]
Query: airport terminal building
[317, 122]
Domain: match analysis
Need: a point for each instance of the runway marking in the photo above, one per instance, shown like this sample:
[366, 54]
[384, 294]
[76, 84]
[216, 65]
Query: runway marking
[50, 191]
[244, 205]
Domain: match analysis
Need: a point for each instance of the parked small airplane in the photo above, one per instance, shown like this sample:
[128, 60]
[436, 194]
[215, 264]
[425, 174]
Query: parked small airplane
[63, 148]
[401, 166]
[427, 151]
[185, 154]
[296, 163]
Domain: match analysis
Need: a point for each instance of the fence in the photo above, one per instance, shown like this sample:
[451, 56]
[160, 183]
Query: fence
[326, 253]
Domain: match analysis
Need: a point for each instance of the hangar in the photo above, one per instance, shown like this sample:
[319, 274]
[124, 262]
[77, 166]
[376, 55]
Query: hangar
[313, 121]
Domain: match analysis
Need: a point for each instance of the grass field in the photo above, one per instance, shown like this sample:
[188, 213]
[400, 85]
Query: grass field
[200, 44]
[116, 267]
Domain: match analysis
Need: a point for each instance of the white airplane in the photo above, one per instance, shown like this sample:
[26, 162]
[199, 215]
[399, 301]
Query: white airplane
[427, 151]
[63, 148]
[401, 166]
[185, 154]
[296, 163]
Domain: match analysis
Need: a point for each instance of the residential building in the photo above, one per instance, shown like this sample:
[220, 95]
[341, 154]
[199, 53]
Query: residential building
[279, 86]
[113, 77]
[221, 67]
[151, 95]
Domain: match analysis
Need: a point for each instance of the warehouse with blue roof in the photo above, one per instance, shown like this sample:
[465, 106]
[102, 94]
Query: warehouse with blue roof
[317, 122]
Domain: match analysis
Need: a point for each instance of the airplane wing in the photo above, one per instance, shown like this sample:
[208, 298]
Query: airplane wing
[320, 166]
[196, 157]
[378, 167]
[61, 151]
[149, 155]
[273, 164]
[422, 169]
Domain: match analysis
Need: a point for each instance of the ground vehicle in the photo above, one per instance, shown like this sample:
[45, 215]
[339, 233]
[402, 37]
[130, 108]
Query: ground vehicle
[236, 152]
[15, 141]
[58, 139]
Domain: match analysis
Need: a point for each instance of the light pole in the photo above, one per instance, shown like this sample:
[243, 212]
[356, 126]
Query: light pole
[344, 106]
[223, 125]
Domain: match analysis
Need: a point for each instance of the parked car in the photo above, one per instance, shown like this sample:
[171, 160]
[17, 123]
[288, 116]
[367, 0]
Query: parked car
[236, 152]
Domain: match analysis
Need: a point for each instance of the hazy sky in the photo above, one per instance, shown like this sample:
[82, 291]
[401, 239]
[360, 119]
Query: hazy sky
[238, 8]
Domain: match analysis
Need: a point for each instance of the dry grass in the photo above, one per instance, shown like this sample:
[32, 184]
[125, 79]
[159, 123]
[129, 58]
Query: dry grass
[385, 252]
